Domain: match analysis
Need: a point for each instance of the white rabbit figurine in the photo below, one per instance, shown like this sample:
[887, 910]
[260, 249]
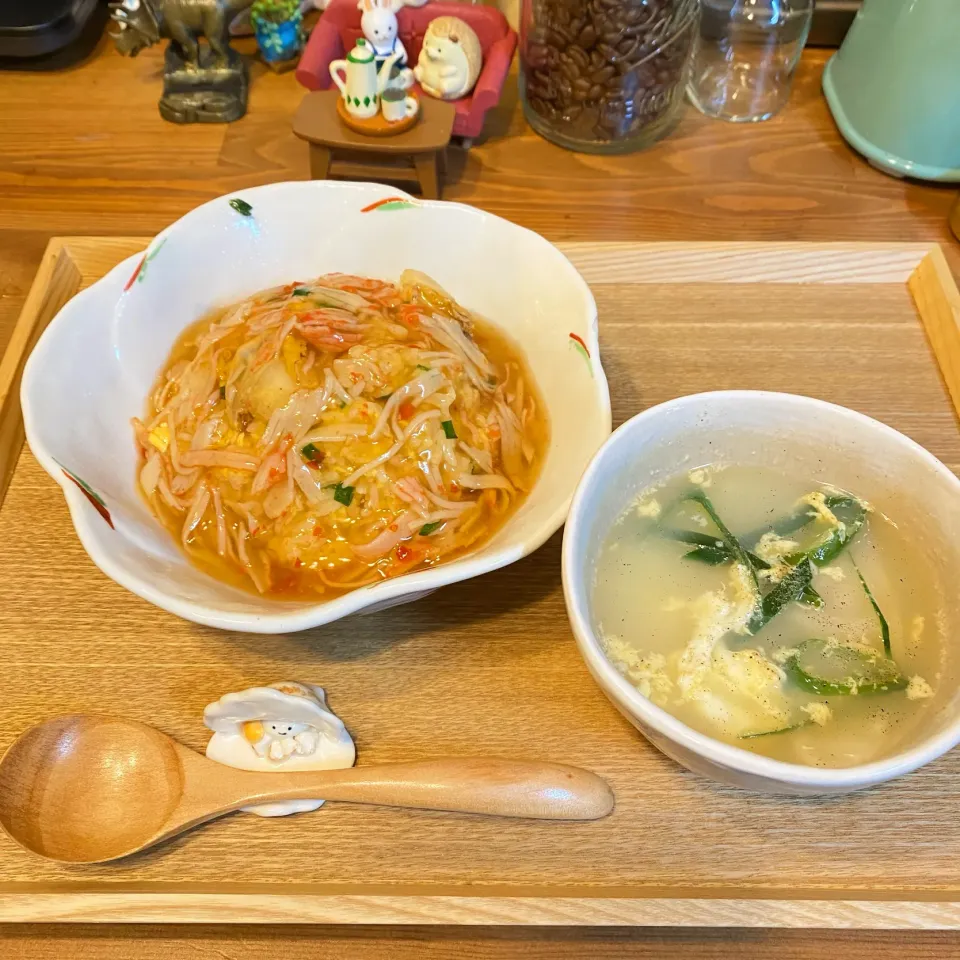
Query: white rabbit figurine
[379, 26]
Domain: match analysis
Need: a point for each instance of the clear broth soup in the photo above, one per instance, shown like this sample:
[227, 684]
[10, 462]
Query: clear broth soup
[773, 640]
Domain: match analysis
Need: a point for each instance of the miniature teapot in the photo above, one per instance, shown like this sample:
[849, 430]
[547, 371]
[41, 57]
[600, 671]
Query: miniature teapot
[359, 81]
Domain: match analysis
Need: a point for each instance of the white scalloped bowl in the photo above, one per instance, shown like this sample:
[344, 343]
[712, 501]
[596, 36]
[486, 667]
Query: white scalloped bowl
[92, 369]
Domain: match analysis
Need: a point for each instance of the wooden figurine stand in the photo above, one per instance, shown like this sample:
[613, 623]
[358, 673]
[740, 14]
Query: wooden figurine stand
[416, 154]
[201, 83]
[212, 93]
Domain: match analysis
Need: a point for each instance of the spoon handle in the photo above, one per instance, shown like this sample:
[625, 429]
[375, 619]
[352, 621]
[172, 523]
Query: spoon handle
[504, 788]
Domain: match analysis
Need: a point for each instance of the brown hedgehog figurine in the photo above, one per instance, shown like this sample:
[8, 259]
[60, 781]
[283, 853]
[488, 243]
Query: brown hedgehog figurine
[450, 59]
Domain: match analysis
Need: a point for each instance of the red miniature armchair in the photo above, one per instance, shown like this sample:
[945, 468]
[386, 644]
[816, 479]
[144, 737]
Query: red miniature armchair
[339, 29]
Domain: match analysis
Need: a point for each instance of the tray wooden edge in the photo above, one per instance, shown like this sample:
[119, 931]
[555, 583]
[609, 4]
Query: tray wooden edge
[478, 910]
[57, 280]
[67, 265]
[935, 293]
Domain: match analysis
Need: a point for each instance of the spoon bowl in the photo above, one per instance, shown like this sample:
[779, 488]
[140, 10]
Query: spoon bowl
[81, 788]
[85, 789]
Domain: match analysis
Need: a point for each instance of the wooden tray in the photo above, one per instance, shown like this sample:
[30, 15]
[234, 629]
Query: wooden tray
[491, 666]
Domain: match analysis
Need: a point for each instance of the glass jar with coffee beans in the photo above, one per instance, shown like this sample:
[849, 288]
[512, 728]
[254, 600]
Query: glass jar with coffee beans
[605, 76]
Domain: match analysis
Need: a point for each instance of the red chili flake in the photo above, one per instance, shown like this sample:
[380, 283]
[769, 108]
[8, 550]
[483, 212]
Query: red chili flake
[355, 377]
[403, 553]
[393, 527]
[406, 410]
[454, 487]
[297, 563]
[318, 531]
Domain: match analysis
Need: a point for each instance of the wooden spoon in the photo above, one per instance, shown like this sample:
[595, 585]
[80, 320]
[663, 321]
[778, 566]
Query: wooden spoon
[86, 789]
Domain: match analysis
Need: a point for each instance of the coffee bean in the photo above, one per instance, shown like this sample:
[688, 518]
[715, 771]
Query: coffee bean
[605, 70]
[550, 111]
[608, 53]
[538, 55]
[537, 105]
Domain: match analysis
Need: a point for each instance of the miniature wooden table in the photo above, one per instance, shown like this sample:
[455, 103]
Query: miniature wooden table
[417, 154]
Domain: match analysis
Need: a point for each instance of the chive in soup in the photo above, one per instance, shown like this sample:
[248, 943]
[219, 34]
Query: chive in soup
[783, 616]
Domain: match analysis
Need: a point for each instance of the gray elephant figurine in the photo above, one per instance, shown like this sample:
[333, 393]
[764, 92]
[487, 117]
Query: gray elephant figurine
[201, 84]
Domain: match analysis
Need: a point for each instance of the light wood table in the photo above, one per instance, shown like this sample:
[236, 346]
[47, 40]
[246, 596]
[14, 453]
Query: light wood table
[84, 152]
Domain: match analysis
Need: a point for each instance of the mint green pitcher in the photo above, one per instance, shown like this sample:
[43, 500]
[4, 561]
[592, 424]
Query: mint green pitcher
[894, 87]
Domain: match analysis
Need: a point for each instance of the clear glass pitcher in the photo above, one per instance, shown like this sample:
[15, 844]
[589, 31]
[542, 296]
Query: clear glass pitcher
[746, 56]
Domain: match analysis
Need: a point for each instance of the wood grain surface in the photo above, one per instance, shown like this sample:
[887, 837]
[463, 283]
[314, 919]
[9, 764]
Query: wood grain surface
[85, 152]
[938, 301]
[57, 280]
[30, 942]
[490, 666]
[98, 159]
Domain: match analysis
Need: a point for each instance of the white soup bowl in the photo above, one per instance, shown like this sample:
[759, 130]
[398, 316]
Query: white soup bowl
[811, 439]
